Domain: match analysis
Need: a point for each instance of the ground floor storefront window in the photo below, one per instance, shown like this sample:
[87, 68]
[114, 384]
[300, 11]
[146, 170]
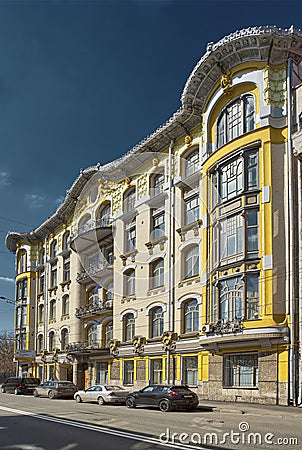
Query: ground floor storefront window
[156, 371]
[128, 377]
[101, 372]
[240, 370]
[190, 370]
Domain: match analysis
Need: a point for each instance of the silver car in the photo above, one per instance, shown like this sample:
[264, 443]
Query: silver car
[55, 389]
[102, 393]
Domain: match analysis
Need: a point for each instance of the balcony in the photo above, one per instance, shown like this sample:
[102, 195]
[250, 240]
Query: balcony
[90, 233]
[92, 309]
[96, 271]
[87, 347]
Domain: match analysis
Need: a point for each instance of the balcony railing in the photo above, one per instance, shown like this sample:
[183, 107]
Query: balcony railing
[93, 308]
[77, 347]
[95, 269]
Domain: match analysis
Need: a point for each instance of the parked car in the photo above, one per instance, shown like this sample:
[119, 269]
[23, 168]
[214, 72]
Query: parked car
[20, 385]
[102, 393]
[165, 397]
[56, 389]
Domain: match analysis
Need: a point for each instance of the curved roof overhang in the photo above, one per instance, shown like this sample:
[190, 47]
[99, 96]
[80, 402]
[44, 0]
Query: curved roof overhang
[268, 44]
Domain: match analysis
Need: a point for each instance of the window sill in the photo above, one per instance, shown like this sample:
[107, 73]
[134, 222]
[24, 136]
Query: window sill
[156, 290]
[191, 226]
[128, 299]
[189, 281]
[129, 255]
[159, 241]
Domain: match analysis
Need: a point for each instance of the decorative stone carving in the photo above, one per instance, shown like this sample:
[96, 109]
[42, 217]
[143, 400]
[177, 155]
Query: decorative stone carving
[226, 82]
[142, 186]
[275, 87]
[188, 140]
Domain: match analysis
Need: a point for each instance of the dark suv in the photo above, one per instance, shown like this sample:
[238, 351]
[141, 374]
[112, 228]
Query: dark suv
[20, 385]
[164, 397]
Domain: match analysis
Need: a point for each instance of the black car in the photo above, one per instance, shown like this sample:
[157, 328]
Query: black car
[165, 397]
[20, 385]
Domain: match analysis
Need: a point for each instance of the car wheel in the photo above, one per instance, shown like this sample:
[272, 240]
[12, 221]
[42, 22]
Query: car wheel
[3, 390]
[35, 393]
[130, 402]
[101, 401]
[164, 405]
[16, 392]
[51, 395]
[78, 399]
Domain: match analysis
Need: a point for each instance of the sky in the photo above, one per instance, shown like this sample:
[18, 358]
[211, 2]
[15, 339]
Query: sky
[83, 82]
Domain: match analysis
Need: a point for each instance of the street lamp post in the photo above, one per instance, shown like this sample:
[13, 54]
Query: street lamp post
[12, 302]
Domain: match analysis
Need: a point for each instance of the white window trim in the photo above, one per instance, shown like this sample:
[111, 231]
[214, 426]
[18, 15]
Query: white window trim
[197, 297]
[160, 255]
[189, 242]
[128, 311]
[155, 305]
[128, 267]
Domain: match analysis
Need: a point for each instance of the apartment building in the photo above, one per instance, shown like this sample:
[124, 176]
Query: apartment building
[177, 263]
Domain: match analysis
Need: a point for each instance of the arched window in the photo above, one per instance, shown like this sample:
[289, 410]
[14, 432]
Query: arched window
[237, 118]
[129, 282]
[22, 261]
[191, 163]
[129, 327]
[41, 314]
[64, 338]
[108, 333]
[191, 316]
[52, 309]
[108, 293]
[42, 256]
[65, 240]
[40, 343]
[85, 224]
[104, 216]
[129, 199]
[92, 335]
[65, 305]
[157, 183]
[93, 295]
[191, 262]
[157, 273]
[51, 341]
[157, 322]
[53, 249]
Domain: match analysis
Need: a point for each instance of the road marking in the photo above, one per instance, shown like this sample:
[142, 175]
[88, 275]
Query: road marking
[99, 429]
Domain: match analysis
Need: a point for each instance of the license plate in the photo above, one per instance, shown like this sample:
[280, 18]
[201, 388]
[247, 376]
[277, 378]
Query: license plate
[188, 396]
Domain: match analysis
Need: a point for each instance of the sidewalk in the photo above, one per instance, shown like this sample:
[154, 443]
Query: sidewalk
[249, 408]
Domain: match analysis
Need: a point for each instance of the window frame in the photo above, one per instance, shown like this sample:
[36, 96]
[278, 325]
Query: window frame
[234, 373]
[156, 322]
[239, 114]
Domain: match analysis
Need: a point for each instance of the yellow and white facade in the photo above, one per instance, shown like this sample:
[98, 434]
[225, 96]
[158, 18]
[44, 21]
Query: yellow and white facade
[177, 262]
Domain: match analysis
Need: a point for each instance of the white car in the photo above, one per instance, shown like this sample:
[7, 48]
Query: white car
[102, 393]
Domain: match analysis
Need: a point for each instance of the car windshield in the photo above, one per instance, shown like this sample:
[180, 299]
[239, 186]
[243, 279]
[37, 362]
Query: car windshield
[66, 384]
[114, 388]
[31, 381]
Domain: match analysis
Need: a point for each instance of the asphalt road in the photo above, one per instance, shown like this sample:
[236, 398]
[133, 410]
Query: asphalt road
[28, 423]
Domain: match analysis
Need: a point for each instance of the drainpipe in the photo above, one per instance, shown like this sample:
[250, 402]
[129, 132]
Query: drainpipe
[291, 293]
[170, 256]
[299, 279]
[46, 274]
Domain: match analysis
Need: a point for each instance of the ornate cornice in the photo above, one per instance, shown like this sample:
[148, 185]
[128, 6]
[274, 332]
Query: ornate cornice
[268, 44]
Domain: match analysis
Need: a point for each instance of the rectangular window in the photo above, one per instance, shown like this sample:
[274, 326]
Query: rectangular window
[131, 238]
[66, 271]
[101, 372]
[190, 370]
[252, 233]
[231, 179]
[53, 276]
[51, 372]
[42, 282]
[158, 226]
[156, 371]
[191, 209]
[234, 120]
[252, 297]
[231, 241]
[22, 289]
[128, 372]
[240, 371]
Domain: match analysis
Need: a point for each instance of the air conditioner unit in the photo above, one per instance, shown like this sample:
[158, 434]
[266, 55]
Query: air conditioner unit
[206, 328]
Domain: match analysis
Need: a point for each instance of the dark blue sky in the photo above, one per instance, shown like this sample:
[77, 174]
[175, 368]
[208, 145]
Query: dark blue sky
[82, 82]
